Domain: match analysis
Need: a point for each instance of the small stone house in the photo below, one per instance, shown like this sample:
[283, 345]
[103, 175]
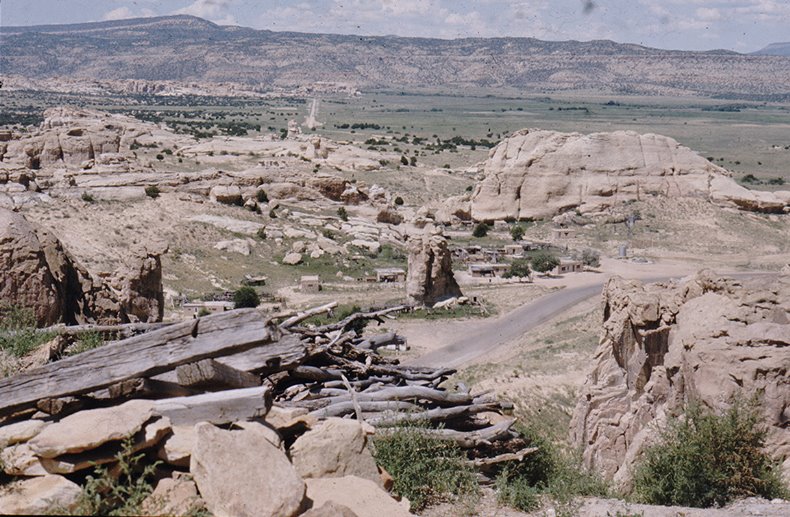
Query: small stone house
[568, 265]
[562, 234]
[390, 275]
[212, 307]
[488, 270]
[310, 284]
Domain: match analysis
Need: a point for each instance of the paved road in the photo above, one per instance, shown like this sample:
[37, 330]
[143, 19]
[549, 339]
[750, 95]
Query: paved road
[497, 331]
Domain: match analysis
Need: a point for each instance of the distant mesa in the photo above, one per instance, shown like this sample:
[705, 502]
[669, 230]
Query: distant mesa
[539, 174]
[774, 49]
[114, 50]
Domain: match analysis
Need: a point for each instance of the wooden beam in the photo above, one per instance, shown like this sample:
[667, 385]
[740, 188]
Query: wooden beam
[208, 373]
[218, 408]
[140, 356]
[309, 313]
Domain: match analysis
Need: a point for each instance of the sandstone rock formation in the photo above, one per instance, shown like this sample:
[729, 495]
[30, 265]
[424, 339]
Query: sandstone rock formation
[38, 274]
[36, 496]
[361, 496]
[240, 473]
[334, 448]
[538, 174]
[430, 276]
[70, 137]
[706, 339]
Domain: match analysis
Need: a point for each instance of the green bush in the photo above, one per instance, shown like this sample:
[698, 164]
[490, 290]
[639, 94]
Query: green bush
[18, 335]
[481, 230]
[544, 262]
[519, 268]
[404, 160]
[548, 471]
[87, 197]
[517, 232]
[261, 233]
[706, 460]
[121, 491]
[425, 469]
[152, 191]
[342, 213]
[398, 201]
[261, 196]
[591, 258]
[245, 297]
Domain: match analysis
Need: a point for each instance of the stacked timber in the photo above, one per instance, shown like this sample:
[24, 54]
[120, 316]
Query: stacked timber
[173, 392]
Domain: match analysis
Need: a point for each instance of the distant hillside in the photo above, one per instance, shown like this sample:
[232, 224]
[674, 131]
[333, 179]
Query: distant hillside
[774, 49]
[185, 48]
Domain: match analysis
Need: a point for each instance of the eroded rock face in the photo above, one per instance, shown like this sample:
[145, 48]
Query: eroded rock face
[430, 277]
[705, 339]
[539, 174]
[37, 273]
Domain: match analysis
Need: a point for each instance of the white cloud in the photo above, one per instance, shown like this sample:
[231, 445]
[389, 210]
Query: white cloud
[124, 12]
[118, 14]
[213, 10]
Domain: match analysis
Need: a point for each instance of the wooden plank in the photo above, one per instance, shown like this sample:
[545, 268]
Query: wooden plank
[140, 356]
[212, 374]
[219, 407]
[284, 354]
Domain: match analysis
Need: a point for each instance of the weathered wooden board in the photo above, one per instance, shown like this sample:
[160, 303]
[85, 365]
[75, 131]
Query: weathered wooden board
[218, 408]
[208, 373]
[141, 356]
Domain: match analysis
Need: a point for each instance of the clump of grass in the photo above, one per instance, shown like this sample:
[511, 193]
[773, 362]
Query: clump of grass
[18, 335]
[550, 472]
[706, 460]
[426, 469]
[87, 341]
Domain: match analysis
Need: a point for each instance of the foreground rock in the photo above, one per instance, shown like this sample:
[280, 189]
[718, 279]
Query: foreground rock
[38, 274]
[539, 174]
[335, 448]
[240, 473]
[361, 496]
[705, 339]
[430, 277]
[37, 496]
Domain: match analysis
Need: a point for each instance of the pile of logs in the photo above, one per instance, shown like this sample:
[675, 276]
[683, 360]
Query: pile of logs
[233, 366]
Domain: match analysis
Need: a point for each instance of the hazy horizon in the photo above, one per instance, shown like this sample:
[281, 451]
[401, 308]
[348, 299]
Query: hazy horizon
[738, 25]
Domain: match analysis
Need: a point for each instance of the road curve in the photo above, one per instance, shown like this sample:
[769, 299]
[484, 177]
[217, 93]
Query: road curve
[494, 332]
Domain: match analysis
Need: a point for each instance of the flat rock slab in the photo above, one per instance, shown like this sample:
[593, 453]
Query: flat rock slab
[330, 509]
[38, 495]
[334, 448]
[86, 430]
[362, 496]
[240, 474]
[20, 431]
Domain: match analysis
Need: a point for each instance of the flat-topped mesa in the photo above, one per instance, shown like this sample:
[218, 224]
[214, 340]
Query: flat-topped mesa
[538, 174]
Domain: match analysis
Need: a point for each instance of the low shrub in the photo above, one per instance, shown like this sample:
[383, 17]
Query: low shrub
[481, 230]
[87, 341]
[245, 297]
[152, 191]
[425, 469]
[705, 460]
[18, 334]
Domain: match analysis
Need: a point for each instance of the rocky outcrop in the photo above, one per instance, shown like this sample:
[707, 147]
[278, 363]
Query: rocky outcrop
[73, 137]
[706, 339]
[38, 274]
[538, 174]
[430, 277]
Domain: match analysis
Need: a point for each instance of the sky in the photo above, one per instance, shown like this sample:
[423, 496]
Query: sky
[740, 25]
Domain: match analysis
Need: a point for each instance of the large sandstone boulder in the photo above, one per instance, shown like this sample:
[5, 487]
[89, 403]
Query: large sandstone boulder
[430, 277]
[538, 174]
[38, 274]
[335, 448]
[705, 339]
[241, 473]
[361, 496]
